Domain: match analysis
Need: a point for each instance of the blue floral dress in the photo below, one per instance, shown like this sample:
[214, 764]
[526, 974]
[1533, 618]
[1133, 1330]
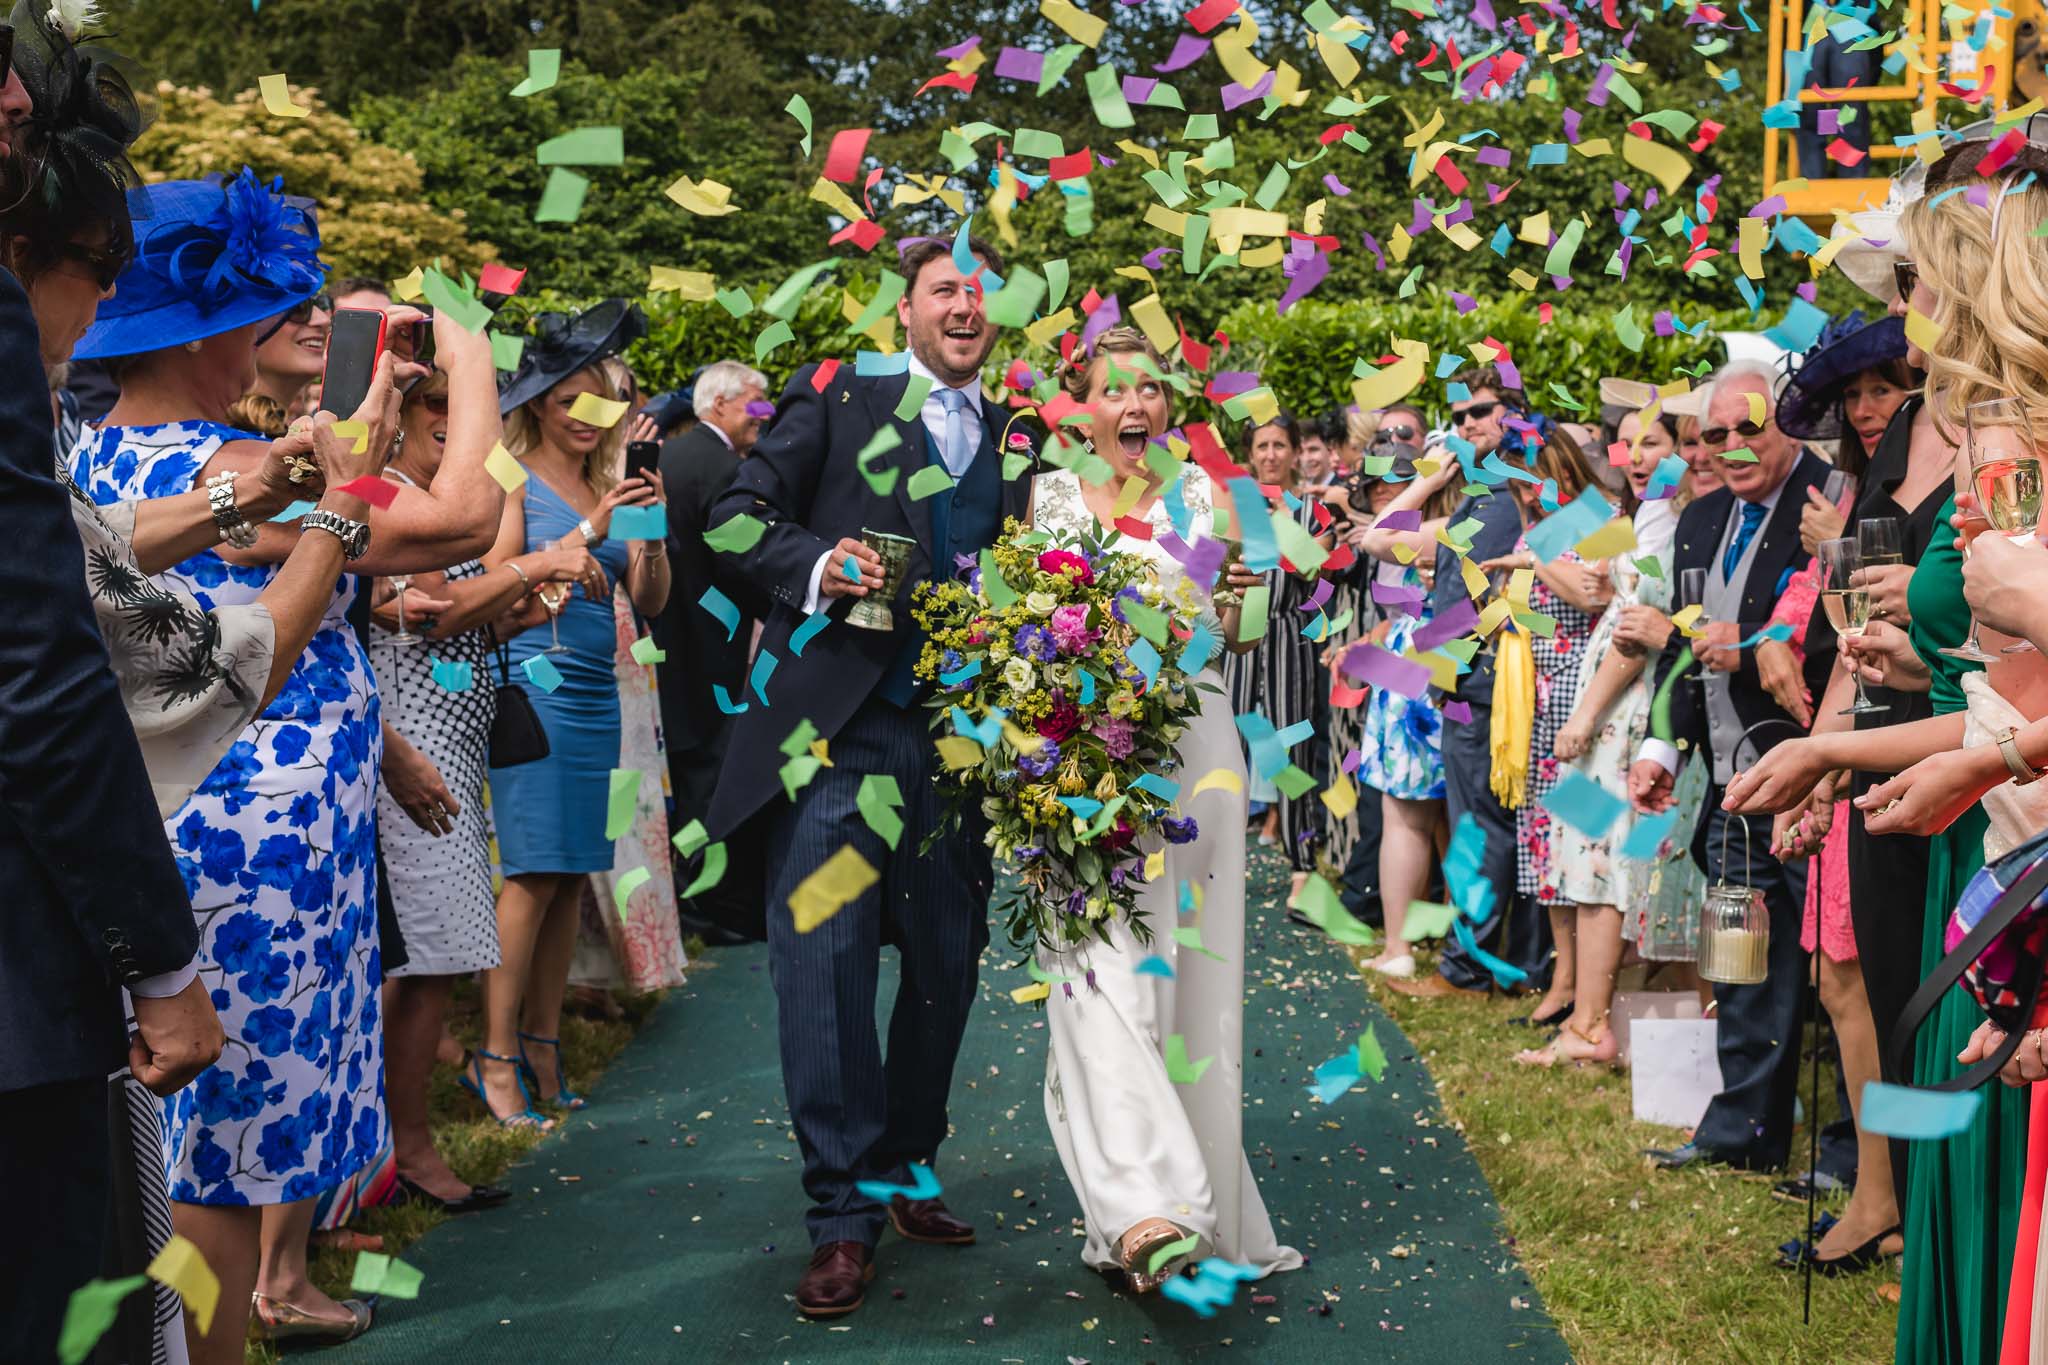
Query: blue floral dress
[1403, 751]
[278, 848]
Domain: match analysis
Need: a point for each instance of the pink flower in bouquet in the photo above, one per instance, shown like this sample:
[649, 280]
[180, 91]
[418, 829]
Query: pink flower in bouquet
[1070, 633]
[1061, 721]
[1066, 562]
[1119, 837]
[977, 633]
[1118, 734]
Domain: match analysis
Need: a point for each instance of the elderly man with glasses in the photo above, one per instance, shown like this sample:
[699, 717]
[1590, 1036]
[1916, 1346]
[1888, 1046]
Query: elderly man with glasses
[1745, 538]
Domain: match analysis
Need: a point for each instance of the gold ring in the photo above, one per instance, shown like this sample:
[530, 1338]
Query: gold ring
[1886, 808]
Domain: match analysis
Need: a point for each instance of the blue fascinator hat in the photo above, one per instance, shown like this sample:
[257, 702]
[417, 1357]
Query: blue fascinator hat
[210, 256]
[1810, 408]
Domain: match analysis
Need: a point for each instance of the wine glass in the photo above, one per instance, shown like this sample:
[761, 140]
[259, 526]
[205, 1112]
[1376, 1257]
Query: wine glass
[399, 583]
[1692, 592]
[1847, 606]
[1877, 540]
[1839, 486]
[1998, 463]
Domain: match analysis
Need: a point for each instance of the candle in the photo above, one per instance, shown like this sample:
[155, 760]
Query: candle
[1735, 956]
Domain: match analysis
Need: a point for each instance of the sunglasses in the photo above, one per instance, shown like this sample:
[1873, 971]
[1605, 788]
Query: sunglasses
[298, 315]
[103, 263]
[1905, 274]
[1714, 436]
[1405, 435]
[1478, 412]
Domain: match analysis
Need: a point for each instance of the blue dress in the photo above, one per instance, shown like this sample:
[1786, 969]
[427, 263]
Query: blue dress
[1403, 749]
[550, 815]
[278, 847]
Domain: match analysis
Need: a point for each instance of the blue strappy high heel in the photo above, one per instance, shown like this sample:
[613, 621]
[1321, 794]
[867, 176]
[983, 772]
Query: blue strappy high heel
[565, 1098]
[472, 1080]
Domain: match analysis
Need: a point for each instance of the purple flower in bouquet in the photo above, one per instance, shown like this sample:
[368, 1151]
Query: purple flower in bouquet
[1119, 734]
[1035, 643]
[1039, 764]
[1178, 831]
[1070, 633]
[952, 661]
[1116, 604]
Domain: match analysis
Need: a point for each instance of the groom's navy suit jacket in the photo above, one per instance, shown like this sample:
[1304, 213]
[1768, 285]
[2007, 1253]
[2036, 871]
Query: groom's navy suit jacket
[804, 482]
[92, 898]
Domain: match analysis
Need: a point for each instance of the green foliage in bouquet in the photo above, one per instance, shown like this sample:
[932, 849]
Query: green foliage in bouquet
[1064, 674]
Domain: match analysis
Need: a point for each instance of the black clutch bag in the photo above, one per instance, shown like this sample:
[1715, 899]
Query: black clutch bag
[517, 736]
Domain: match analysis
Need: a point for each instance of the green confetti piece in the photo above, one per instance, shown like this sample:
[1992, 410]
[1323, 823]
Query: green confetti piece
[1200, 128]
[506, 350]
[1106, 94]
[797, 773]
[376, 1273]
[543, 69]
[736, 536]
[994, 586]
[877, 801]
[623, 889]
[1558, 262]
[1294, 782]
[957, 150]
[1320, 904]
[1220, 155]
[737, 302]
[1171, 1250]
[90, 1312]
[1426, 920]
[452, 298]
[883, 302]
[1372, 1060]
[799, 109]
[914, 394]
[1057, 63]
[1014, 465]
[561, 201]
[1037, 143]
[625, 794]
[1189, 936]
[1251, 616]
[690, 838]
[1626, 329]
[1272, 187]
[1649, 567]
[645, 651]
[777, 333]
[1741, 455]
[584, 147]
[882, 481]
[1149, 622]
[789, 295]
[1179, 1069]
[1016, 303]
[713, 873]
[930, 480]
[1055, 283]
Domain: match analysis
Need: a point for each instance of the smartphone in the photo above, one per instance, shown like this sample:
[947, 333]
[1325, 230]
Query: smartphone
[642, 459]
[414, 340]
[354, 342]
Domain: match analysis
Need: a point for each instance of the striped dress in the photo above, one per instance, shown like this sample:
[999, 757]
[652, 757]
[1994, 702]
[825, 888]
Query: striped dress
[1277, 680]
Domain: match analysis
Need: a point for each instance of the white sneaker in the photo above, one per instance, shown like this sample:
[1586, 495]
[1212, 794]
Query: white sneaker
[1401, 968]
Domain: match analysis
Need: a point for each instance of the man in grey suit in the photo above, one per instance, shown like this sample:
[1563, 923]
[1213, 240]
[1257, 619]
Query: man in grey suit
[697, 467]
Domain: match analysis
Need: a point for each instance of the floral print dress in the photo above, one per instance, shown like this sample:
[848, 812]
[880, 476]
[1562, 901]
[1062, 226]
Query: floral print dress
[278, 848]
[1403, 752]
[1538, 867]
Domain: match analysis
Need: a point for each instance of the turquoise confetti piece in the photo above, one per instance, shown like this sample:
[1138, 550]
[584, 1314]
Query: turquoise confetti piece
[540, 670]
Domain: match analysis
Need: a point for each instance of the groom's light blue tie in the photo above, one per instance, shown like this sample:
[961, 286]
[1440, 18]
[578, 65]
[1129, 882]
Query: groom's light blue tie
[955, 452]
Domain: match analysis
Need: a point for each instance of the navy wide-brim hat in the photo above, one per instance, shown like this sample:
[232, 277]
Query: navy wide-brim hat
[562, 345]
[209, 257]
[1810, 408]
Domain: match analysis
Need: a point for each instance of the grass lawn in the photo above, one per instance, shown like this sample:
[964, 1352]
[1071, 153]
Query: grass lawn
[478, 1149]
[1637, 1266]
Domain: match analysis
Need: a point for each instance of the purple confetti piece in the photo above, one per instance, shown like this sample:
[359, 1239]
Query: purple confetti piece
[1202, 560]
[1596, 93]
[1230, 383]
[1465, 302]
[1107, 314]
[1020, 64]
[1395, 594]
[1324, 587]
[1978, 195]
[1419, 224]
[1455, 620]
[1334, 185]
[1460, 214]
[1156, 258]
[1352, 760]
[1187, 50]
[761, 408]
[1374, 247]
[1830, 122]
[1383, 668]
[1458, 712]
[1571, 125]
[1236, 96]
[1482, 14]
[1769, 208]
[965, 46]
[1661, 324]
[1650, 198]
[1509, 374]
[1406, 519]
[1138, 89]
[1494, 156]
[1806, 289]
[1621, 193]
[1313, 272]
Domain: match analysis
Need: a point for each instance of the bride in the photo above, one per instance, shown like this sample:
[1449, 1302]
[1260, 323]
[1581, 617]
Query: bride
[1154, 1162]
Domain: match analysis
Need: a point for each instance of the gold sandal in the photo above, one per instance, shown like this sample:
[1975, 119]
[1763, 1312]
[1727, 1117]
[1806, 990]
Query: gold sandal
[1137, 1259]
[277, 1320]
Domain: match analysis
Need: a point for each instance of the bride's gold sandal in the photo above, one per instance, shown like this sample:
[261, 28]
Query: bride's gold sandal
[277, 1320]
[1145, 1241]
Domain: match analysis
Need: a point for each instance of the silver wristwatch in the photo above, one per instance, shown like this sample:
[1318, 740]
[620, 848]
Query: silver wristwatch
[353, 535]
[234, 526]
[591, 539]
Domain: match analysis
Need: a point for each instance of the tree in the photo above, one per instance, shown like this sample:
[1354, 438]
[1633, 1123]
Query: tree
[374, 218]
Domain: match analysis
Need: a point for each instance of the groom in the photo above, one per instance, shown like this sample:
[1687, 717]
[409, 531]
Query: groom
[858, 1117]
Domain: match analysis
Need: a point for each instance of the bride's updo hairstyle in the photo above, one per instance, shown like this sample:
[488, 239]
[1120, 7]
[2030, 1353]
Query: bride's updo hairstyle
[1989, 273]
[1076, 375]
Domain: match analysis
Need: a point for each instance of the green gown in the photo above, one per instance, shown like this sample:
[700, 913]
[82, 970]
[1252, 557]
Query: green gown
[1963, 1194]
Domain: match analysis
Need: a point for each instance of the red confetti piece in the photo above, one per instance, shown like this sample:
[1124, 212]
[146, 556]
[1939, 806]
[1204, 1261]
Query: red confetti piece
[1335, 131]
[821, 378]
[1842, 153]
[1073, 166]
[842, 163]
[1543, 314]
[1090, 303]
[1399, 42]
[951, 80]
[1709, 130]
[2002, 151]
[1191, 350]
[1448, 172]
[1135, 529]
[1342, 697]
[864, 233]
[499, 279]
[1210, 13]
[371, 489]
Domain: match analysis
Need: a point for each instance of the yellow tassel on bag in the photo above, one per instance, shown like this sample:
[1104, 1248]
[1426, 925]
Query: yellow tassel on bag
[1514, 708]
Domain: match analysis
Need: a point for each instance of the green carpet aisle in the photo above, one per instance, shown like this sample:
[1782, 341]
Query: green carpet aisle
[666, 1223]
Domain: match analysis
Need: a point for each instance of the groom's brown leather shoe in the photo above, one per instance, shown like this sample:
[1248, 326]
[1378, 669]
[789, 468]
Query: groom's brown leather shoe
[836, 1281]
[926, 1220]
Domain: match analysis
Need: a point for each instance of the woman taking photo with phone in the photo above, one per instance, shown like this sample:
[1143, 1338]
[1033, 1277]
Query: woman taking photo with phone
[551, 814]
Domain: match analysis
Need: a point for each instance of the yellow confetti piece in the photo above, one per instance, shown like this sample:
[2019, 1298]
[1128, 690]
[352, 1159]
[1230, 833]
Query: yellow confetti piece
[598, 411]
[277, 99]
[1921, 330]
[499, 464]
[357, 434]
[1042, 332]
[1615, 538]
[181, 1266]
[1218, 779]
[818, 751]
[1037, 990]
[823, 894]
[1150, 315]
[957, 751]
[1155, 865]
[1669, 167]
[1756, 408]
[1394, 382]
[1593, 147]
[1684, 619]
[1520, 583]
[1262, 258]
[1475, 581]
[697, 286]
[1750, 246]
[1233, 48]
[1443, 669]
[411, 287]
[705, 198]
[1535, 229]
[836, 199]
[1341, 797]
[1078, 24]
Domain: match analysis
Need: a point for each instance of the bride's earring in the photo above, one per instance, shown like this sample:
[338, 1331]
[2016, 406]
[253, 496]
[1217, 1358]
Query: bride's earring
[193, 347]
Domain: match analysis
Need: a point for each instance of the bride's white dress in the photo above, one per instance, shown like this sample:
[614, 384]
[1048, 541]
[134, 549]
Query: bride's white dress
[1134, 1144]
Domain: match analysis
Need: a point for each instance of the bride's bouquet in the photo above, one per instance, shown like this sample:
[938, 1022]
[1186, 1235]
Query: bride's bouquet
[1062, 674]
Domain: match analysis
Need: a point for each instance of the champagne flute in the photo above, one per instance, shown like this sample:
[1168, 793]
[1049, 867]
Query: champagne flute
[1840, 486]
[400, 582]
[1847, 605]
[554, 596]
[1692, 592]
[2004, 485]
[1877, 541]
